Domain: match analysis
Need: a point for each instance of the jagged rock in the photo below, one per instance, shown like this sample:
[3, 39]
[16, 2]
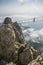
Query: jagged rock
[35, 52]
[17, 29]
[8, 20]
[37, 61]
[12, 44]
[34, 63]
[7, 40]
[18, 32]
[27, 55]
[18, 45]
[16, 25]
[9, 47]
[40, 59]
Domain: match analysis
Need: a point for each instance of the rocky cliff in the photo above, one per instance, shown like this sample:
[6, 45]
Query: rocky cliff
[13, 48]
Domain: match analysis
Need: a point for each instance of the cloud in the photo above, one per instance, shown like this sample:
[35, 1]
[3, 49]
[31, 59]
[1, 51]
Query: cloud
[34, 35]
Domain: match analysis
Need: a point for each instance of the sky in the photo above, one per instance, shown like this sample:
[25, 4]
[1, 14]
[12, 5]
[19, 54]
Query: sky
[21, 8]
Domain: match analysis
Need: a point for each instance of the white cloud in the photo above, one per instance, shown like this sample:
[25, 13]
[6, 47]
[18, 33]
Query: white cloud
[34, 35]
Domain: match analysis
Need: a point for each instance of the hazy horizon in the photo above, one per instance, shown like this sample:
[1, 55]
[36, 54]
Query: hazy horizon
[21, 8]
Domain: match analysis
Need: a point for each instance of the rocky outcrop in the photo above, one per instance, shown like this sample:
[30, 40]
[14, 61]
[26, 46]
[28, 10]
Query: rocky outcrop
[13, 48]
[7, 41]
[8, 20]
[18, 32]
[27, 55]
[9, 46]
[37, 61]
[17, 29]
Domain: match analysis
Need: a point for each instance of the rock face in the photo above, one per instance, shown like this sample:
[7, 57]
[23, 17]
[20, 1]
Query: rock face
[27, 55]
[7, 40]
[18, 32]
[9, 47]
[13, 47]
[37, 61]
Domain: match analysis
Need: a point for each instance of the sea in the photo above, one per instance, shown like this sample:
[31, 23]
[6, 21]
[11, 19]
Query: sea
[32, 31]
